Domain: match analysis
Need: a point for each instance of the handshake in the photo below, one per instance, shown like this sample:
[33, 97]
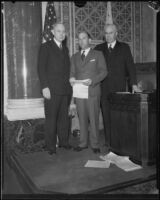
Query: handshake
[86, 82]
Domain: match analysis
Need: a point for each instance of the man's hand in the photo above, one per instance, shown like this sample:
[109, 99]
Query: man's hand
[71, 80]
[46, 93]
[72, 109]
[88, 82]
[135, 89]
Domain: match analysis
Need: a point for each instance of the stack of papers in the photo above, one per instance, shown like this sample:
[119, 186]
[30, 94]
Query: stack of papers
[80, 90]
[122, 162]
[97, 164]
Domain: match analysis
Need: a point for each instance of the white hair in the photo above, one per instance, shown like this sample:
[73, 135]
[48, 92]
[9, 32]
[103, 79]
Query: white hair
[113, 25]
[57, 23]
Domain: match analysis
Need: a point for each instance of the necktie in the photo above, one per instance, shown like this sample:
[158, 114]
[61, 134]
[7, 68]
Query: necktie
[110, 48]
[83, 55]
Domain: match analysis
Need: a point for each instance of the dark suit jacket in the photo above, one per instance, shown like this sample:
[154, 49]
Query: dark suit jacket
[54, 68]
[120, 65]
[93, 67]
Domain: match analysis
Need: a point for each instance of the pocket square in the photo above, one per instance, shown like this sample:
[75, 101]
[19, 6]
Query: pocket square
[92, 60]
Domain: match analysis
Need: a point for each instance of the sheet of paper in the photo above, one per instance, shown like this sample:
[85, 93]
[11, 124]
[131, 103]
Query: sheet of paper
[80, 81]
[80, 91]
[113, 157]
[97, 164]
[122, 162]
[127, 165]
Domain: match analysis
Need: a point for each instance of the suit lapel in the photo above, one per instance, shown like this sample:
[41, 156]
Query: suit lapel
[56, 48]
[115, 49]
[87, 58]
[79, 59]
[116, 46]
[81, 62]
[113, 54]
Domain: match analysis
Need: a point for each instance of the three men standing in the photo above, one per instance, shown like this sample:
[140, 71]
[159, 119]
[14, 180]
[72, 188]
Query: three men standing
[111, 57]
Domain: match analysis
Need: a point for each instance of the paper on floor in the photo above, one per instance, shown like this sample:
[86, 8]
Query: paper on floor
[97, 164]
[127, 165]
[112, 157]
[122, 162]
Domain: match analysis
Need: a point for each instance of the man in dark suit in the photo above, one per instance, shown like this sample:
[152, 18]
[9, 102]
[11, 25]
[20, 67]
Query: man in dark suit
[120, 66]
[88, 64]
[53, 71]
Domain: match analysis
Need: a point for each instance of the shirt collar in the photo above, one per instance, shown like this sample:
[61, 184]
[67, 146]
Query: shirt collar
[57, 42]
[112, 44]
[86, 51]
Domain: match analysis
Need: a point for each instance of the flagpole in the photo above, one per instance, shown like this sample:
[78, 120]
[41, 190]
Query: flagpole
[109, 19]
[44, 6]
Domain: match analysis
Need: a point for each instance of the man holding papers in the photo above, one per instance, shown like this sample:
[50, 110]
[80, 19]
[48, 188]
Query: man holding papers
[88, 69]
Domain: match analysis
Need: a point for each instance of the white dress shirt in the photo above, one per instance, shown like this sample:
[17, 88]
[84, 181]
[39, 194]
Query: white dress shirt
[112, 45]
[58, 43]
[86, 51]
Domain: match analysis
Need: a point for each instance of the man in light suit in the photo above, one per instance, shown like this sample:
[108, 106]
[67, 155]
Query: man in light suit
[88, 64]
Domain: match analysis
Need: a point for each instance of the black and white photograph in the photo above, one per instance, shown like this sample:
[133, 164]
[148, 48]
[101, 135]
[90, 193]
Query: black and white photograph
[79, 111]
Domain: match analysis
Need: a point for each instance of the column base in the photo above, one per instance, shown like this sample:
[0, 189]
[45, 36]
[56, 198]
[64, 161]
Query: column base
[23, 109]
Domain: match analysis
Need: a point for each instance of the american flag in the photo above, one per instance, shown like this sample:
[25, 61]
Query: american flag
[50, 19]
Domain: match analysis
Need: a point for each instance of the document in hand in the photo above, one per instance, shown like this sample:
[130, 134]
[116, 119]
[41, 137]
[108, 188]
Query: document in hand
[80, 90]
[97, 164]
[122, 162]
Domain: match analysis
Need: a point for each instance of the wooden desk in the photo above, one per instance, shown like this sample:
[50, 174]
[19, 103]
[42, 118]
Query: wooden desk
[133, 126]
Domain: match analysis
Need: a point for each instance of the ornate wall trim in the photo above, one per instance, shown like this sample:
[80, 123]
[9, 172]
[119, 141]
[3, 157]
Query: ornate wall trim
[126, 15]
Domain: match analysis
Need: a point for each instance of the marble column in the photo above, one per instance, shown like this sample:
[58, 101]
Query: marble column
[23, 27]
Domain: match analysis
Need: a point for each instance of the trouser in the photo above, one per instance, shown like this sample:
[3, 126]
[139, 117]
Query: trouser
[57, 120]
[105, 107]
[88, 112]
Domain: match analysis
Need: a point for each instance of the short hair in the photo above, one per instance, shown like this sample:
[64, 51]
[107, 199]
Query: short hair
[57, 23]
[113, 25]
[89, 36]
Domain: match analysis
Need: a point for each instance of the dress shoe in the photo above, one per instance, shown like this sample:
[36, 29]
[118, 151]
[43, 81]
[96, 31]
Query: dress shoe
[105, 149]
[67, 147]
[79, 148]
[50, 152]
[96, 150]
[44, 147]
